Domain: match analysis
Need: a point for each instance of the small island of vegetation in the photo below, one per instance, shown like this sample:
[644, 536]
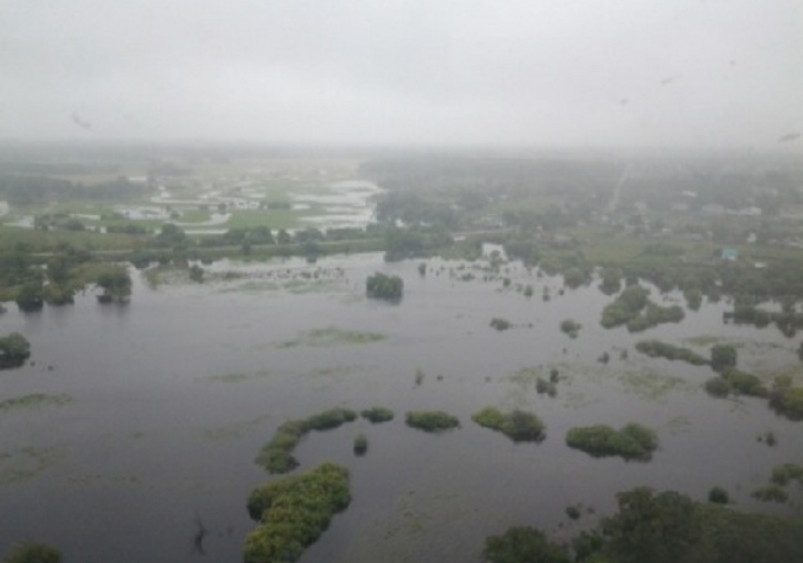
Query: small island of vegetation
[632, 442]
[294, 512]
[518, 425]
[14, 350]
[431, 421]
[277, 455]
[383, 286]
[377, 415]
[570, 327]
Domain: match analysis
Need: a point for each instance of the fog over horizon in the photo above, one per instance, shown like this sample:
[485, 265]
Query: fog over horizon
[692, 74]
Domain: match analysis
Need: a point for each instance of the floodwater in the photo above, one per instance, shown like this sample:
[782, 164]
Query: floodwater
[174, 393]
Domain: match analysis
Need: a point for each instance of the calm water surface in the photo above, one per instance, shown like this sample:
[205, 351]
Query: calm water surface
[175, 393]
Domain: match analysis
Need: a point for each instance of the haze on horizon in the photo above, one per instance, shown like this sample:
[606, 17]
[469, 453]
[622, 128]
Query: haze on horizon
[618, 73]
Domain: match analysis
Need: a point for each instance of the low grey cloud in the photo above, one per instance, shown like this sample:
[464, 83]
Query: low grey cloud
[480, 72]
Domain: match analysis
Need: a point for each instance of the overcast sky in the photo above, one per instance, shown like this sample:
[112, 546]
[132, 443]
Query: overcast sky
[590, 73]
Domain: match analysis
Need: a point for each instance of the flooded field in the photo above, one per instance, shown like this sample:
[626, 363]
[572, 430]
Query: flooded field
[143, 420]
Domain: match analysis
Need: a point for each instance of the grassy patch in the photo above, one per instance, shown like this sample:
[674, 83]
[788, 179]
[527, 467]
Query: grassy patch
[331, 336]
[34, 401]
[25, 464]
[236, 377]
[658, 349]
[651, 386]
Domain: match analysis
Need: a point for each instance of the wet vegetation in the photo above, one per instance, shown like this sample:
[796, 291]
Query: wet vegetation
[34, 553]
[786, 399]
[377, 415]
[665, 527]
[277, 455]
[632, 442]
[33, 401]
[783, 474]
[431, 421]
[718, 495]
[570, 327]
[558, 219]
[658, 349]
[360, 445]
[634, 309]
[518, 425]
[332, 336]
[383, 286]
[500, 324]
[14, 350]
[293, 513]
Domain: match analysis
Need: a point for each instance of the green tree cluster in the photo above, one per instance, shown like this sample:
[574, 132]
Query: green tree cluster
[116, 284]
[294, 512]
[633, 308]
[14, 350]
[383, 286]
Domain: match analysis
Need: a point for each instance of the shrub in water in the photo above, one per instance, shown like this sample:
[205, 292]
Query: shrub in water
[518, 425]
[631, 442]
[718, 495]
[34, 553]
[377, 414]
[431, 421]
[360, 445]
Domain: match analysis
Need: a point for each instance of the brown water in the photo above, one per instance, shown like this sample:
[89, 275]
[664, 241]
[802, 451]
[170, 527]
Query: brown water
[175, 393]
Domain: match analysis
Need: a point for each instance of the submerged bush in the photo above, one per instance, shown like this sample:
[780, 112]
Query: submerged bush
[658, 349]
[718, 495]
[330, 419]
[786, 399]
[34, 553]
[518, 425]
[723, 357]
[770, 493]
[782, 474]
[523, 545]
[633, 441]
[294, 512]
[377, 415]
[570, 327]
[360, 445]
[500, 324]
[738, 382]
[383, 286]
[431, 421]
[14, 350]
